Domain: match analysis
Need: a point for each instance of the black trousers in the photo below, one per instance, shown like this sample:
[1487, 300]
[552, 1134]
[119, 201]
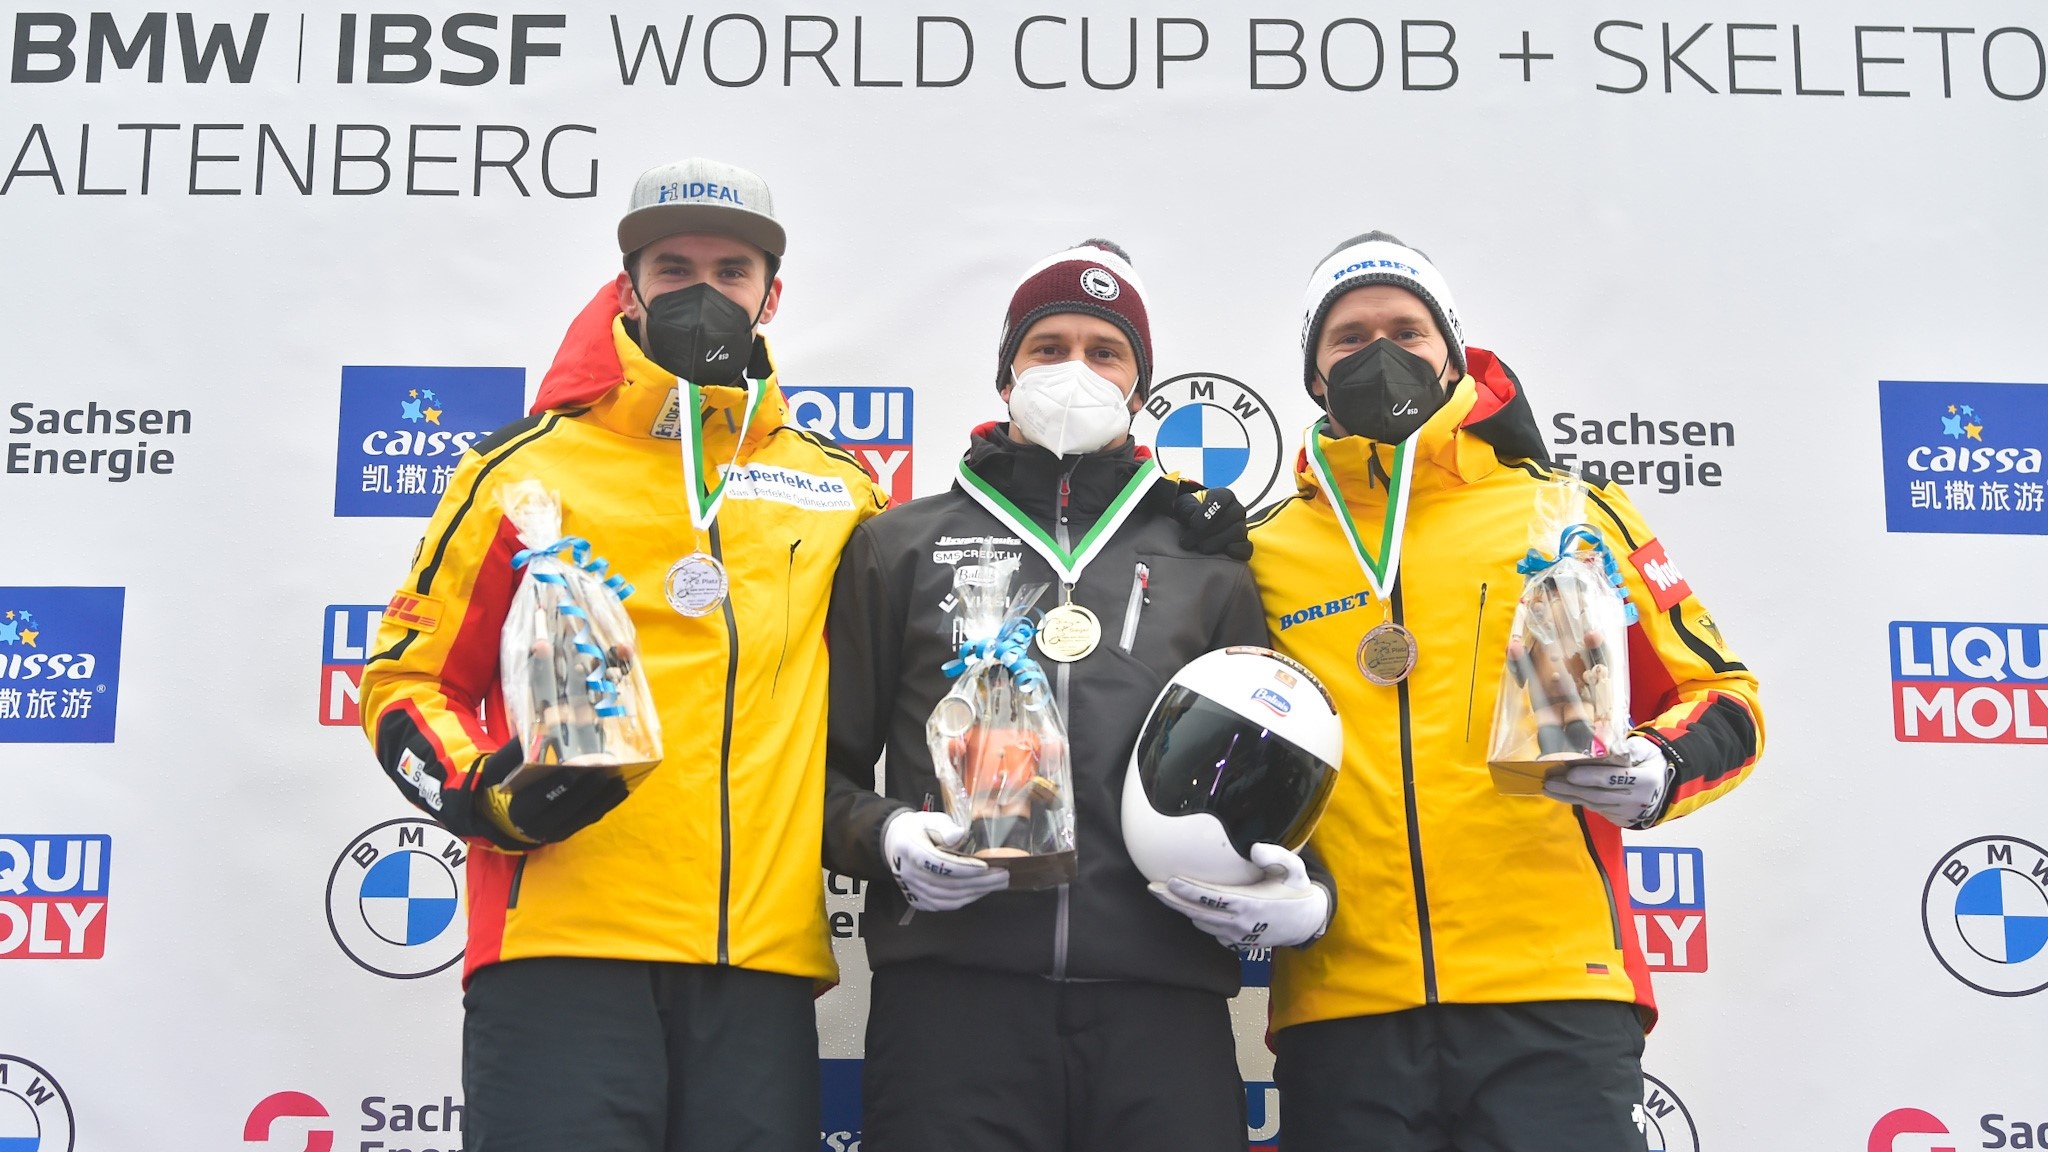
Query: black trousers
[563, 1053]
[1560, 1076]
[961, 1058]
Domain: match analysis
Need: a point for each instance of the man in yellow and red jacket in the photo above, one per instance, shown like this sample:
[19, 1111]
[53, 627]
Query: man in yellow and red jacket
[641, 968]
[1477, 987]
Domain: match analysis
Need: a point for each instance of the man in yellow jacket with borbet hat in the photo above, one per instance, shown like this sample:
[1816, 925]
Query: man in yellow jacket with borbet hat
[641, 968]
[1478, 988]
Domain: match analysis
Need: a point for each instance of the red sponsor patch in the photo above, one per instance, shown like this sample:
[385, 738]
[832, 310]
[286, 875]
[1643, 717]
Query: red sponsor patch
[1667, 583]
[420, 613]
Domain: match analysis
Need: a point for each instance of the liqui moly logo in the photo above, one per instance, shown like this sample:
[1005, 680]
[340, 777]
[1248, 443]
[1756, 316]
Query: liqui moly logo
[53, 897]
[874, 424]
[1963, 682]
[346, 633]
[1667, 896]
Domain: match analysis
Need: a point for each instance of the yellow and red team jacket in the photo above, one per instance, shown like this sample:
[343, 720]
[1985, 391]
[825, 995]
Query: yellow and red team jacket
[714, 857]
[1449, 892]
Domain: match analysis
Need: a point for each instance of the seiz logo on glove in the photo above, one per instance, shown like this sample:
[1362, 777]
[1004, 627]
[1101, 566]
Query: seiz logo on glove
[1383, 392]
[699, 334]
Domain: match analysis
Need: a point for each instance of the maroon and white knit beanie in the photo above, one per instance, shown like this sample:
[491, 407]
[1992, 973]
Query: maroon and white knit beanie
[1093, 278]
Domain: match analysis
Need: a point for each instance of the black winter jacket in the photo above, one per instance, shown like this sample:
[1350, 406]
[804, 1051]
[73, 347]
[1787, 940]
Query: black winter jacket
[889, 637]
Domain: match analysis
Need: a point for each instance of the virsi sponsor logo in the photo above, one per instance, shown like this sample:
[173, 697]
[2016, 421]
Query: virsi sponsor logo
[1964, 457]
[60, 664]
[872, 423]
[1667, 895]
[1969, 683]
[403, 431]
[346, 633]
[1985, 913]
[53, 897]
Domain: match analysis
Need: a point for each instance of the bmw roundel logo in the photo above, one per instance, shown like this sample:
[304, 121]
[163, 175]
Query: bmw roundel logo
[395, 898]
[1985, 912]
[1214, 431]
[35, 1114]
[1664, 1120]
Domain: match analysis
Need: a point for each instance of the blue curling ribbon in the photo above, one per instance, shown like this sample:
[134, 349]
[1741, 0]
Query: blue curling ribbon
[606, 693]
[1536, 562]
[1010, 647]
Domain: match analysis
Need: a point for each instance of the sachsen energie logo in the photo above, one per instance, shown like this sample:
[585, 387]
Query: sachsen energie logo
[60, 664]
[346, 633]
[1969, 683]
[1964, 457]
[1667, 894]
[404, 429]
[53, 898]
[872, 423]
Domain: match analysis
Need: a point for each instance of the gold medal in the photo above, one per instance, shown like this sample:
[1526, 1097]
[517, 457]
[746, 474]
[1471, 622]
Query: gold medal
[1068, 633]
[1387, 654]
[696, 584]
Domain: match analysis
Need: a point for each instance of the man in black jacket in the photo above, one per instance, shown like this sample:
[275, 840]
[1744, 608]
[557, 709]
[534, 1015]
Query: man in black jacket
[1091, 1015]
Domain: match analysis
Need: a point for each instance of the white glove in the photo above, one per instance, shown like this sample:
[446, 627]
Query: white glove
[1282, 909]
[933, 879]
[1629, 795]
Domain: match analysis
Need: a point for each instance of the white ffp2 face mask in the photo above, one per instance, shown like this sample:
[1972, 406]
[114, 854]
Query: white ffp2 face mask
[1068, 408]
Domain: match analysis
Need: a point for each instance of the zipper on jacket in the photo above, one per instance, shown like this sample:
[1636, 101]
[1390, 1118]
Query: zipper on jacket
[788, 585]
[1414, 831]
[1606, 882]
[1141, 579]
[518, 877]
[1472, 685]
[1060, 678]
[732, 675]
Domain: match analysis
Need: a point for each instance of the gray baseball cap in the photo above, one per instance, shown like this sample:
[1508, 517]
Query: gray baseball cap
[700, 195]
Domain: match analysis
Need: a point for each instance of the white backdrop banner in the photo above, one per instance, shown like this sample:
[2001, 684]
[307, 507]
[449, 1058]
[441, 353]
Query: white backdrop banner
[267, 273]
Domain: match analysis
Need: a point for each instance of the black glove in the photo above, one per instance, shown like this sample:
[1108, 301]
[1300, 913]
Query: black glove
[551, 808]
[1212, 522]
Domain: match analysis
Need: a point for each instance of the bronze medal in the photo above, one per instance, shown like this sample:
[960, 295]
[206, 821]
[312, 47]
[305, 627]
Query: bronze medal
[1387, 654]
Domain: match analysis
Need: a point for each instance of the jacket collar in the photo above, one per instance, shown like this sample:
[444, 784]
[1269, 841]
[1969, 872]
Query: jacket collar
[1029, 476]
[1448, 454]
[646, 397]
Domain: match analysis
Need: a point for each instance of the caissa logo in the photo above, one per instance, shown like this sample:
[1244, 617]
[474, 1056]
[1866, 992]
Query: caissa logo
[394, 896]
[1964, 457]
[275, 1121]
[60, 664]
[1213, 431]
[1663, 1119]
[35, 1115]
[874, 424]
[1985, 914]
[1884, 1135]
[404, 429]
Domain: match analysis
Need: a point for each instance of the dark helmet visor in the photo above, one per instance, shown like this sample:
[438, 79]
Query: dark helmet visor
[1198, 756]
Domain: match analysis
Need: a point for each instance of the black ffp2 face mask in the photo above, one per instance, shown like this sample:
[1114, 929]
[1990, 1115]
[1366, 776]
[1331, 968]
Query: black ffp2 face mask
[1383, 392]
[698, 334]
